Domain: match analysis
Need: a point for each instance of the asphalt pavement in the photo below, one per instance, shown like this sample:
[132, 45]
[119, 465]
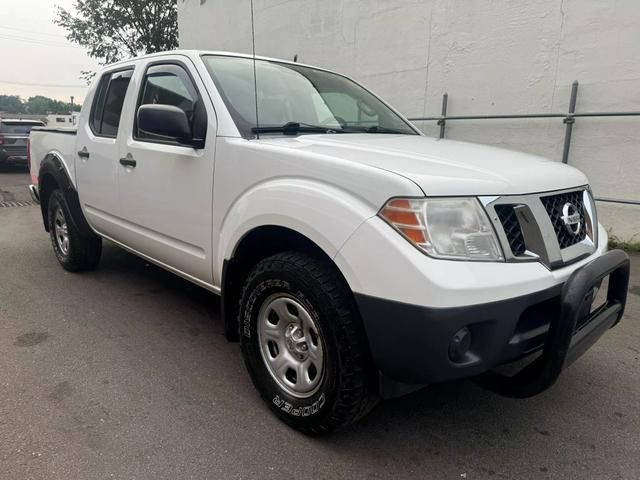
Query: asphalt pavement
[125, 373]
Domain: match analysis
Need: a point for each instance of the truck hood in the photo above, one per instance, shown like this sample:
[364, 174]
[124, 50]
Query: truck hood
[441, 167]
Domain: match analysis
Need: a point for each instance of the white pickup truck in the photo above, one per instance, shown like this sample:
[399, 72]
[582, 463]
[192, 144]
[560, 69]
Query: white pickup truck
[356, 258]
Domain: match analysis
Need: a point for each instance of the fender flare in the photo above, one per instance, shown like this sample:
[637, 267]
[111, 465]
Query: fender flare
[52, 165]
[282, 203]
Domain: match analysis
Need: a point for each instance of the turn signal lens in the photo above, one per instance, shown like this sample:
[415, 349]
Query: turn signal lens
[405, 216]
[452, 228]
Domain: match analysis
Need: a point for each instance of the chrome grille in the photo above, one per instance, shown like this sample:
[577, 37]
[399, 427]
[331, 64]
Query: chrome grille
[554, 204]
[512, 230]
[532, 228]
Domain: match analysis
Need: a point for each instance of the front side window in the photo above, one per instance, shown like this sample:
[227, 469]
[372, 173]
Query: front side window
[171, 85]
[108, 101]
[293, 94]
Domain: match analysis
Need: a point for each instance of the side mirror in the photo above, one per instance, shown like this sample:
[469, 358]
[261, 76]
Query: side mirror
[165, 121]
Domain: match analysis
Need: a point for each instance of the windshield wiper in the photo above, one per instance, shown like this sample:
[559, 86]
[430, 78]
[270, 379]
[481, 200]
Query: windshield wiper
[346, 128]
[379, 129]
[293, 128]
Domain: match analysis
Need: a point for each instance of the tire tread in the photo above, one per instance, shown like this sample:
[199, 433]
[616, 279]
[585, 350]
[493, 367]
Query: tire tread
[85, 251]
[354, 397]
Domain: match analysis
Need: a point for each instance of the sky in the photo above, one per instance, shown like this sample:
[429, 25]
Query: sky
[35, 57]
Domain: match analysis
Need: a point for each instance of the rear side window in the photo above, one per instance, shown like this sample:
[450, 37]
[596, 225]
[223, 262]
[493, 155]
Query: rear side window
[108, 101]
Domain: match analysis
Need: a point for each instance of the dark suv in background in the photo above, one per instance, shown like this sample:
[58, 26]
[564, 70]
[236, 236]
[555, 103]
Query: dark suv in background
[14, 136]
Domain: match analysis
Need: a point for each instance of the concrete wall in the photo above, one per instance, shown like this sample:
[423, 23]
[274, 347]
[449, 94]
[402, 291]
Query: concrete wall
[491, 56]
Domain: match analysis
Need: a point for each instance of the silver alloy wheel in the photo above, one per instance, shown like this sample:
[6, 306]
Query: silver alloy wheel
[61, 231]
[291, 345]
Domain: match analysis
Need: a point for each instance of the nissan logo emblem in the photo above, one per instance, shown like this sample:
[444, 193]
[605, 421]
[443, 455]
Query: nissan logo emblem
[571, 218]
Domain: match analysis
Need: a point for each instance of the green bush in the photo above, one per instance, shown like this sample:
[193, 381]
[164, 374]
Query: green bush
[630, 245]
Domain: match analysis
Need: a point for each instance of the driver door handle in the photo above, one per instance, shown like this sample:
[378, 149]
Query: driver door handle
[83, 153]
[128, 161]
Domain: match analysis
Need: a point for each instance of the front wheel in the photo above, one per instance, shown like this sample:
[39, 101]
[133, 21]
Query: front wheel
[74, 251]
[303, 343]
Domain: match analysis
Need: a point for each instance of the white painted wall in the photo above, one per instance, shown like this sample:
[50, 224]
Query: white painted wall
[491, 56]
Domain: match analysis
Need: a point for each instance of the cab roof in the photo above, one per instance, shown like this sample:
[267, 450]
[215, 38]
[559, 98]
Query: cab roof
[198, 53]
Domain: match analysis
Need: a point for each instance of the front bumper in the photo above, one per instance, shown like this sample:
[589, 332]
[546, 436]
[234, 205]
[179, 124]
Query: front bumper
[411, 343]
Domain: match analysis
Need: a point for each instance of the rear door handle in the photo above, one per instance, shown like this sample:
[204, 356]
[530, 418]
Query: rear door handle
[128, 162]
[83, 153]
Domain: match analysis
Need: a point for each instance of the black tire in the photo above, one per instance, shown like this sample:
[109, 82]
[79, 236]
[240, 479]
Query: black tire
[344, 392]
[83, 251]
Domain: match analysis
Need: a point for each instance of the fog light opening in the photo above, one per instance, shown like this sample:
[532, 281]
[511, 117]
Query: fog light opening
[459, 345]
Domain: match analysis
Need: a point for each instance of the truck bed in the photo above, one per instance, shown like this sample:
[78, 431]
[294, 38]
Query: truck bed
[57, 141]
[65, 130]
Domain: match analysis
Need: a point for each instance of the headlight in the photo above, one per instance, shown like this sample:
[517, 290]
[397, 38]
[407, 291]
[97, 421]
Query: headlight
[452, 228]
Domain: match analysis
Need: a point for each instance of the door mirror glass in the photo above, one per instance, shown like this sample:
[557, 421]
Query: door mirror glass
[165, 121]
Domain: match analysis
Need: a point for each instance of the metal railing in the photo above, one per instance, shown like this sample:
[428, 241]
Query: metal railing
[568, 119]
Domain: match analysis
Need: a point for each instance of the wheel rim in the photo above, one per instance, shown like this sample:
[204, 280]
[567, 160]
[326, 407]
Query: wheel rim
[291, 345]
[61, 231]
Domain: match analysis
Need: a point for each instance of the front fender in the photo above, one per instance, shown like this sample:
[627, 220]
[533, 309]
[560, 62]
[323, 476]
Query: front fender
[323, 213]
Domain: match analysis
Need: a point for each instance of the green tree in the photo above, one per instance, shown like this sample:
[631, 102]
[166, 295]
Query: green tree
[40, 105]
[112, 30]
[37, 105]
[11, 104]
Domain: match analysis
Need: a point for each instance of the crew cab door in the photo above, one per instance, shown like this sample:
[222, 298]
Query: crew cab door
[97, 150]
[165, 186]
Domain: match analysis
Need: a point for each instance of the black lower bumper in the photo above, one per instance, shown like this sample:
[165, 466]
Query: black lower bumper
[411, 344]
[13, 157]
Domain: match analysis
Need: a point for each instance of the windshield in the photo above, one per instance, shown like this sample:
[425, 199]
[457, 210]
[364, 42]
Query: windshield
[18, 128]
[295, 95]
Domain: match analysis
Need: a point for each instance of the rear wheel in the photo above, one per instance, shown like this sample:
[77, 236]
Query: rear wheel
[303, 343]
[74, 251]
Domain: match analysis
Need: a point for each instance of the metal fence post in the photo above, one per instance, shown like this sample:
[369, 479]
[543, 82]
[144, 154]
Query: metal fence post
[443, 120]
[569, 120]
